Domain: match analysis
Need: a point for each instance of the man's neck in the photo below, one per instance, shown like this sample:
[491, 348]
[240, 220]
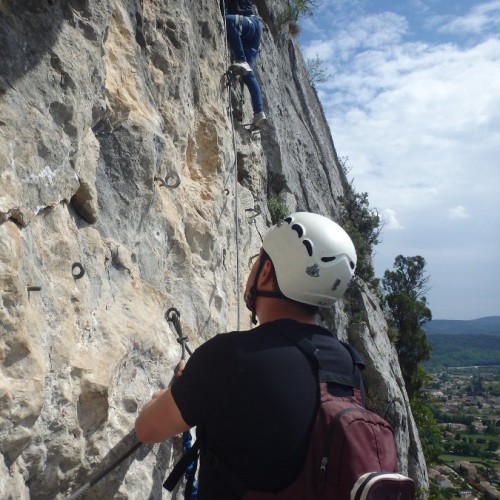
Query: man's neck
[271, 309]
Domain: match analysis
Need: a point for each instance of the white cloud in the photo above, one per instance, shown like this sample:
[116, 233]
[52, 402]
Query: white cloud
[420, 6]
[419, 121]
[458, 212]
[480, 18]
[321, 48]
[390, 219]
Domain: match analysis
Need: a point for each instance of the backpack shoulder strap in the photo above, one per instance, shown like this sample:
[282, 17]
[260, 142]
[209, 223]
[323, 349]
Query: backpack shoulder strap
[329, 373]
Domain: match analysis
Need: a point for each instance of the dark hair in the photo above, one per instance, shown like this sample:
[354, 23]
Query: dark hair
[307, 308]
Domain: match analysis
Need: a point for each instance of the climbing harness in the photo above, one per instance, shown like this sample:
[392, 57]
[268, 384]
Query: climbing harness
[80, 491]
[190, 492]
[171, 176]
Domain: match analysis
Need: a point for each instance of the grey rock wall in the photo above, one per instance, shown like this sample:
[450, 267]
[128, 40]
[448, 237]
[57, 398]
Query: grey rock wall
[99, 101]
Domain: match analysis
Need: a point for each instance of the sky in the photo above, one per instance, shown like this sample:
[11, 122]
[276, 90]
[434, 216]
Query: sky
[412, 99]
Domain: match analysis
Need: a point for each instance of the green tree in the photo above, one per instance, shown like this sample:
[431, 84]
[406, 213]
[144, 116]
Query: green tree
[428, 430]
[302, 7]
[362, 223]
[471, 429]
[404, 290]
[476, 385]
[277, 208]
[295, 9]
[316, 73]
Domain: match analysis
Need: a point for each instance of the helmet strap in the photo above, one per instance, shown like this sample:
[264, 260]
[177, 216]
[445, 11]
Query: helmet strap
[251, 299]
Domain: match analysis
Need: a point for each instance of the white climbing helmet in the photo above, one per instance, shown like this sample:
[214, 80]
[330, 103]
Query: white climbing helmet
[314, 258]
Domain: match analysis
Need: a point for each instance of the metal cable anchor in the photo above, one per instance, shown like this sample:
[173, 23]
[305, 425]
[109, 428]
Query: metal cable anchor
[174, 316]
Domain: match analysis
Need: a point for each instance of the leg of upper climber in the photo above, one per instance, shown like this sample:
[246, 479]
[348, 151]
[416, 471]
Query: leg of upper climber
[251, 36]
[233, 30]
[244, 32]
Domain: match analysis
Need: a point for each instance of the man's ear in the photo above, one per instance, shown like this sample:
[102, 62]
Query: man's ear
[266, 275]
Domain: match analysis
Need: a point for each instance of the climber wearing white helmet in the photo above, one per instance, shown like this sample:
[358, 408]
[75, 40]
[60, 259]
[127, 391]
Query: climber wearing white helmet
[252, 395]
[313, 257]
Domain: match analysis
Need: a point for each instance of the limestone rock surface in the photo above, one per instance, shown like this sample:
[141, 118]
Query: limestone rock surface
[105, 106]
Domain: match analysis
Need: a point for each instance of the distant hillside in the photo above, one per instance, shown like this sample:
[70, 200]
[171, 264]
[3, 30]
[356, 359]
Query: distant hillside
[463, 350]
[489, 325]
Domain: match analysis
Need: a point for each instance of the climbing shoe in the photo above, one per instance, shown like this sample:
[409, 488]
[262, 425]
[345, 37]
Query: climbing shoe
[240, 68]
[259, 120]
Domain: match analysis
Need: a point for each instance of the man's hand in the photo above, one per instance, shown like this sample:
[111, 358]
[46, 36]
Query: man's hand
[179, 368]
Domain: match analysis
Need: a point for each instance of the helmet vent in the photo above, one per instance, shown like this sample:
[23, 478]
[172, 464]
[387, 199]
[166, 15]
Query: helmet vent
[299, 229]
[309, 247]
[287, 220]
[328, 259]
[352, 264]
[336, 284]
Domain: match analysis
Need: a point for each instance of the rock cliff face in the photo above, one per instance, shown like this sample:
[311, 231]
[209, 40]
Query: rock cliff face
[105, 105]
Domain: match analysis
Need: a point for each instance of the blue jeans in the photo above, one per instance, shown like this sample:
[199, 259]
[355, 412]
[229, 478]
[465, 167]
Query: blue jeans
[245, 43]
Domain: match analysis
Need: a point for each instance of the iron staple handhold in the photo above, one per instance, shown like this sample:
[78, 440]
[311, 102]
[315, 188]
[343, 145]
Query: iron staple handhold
[256, 210]
[80, 273]
[165, 180]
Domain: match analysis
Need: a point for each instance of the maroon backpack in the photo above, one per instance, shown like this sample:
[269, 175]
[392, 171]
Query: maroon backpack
[352, 452]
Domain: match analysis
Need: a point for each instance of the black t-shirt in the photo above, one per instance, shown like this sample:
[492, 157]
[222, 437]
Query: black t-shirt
[254, 396]
[241, 7]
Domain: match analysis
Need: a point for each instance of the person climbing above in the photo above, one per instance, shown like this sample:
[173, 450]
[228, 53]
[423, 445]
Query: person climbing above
[244, 32]
[252, 394]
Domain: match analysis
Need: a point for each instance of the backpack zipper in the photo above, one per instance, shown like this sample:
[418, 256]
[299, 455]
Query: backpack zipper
[329, 439]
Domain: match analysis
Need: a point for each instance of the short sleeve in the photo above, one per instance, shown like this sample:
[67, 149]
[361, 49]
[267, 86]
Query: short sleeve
[204, 387]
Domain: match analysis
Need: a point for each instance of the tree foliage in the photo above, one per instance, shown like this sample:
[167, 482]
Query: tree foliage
[404, 289]
[296, 9]
[316, 73]
[463, 350]
[363, 224]
[277, 208]
[428, 430]
[303, 7]
[409, 277]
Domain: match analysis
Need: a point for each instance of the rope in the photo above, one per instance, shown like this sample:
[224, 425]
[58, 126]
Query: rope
[229, 83]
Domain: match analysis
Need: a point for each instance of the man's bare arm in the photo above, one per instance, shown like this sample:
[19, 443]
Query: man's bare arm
[160, 419]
